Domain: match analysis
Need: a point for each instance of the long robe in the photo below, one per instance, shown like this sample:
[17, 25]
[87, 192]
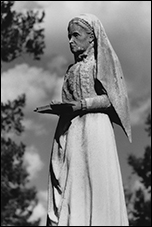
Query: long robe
[85, 183]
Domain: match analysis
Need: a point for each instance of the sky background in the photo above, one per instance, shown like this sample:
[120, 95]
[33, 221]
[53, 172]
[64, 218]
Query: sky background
[128, 26]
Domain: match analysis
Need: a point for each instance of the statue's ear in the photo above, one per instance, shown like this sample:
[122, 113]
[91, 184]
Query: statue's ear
[91, 37]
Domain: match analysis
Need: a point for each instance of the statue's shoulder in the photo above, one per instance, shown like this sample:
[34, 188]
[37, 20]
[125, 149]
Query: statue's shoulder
[69, 67]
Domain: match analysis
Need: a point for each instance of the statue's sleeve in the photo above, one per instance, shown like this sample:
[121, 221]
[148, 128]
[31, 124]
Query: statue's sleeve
[97, 103]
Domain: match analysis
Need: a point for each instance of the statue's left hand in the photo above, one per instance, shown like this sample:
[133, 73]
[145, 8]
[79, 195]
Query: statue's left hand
[76, 106]
[65, 108]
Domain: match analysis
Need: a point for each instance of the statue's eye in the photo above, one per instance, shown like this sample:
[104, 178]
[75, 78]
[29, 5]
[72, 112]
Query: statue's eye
[75, 34]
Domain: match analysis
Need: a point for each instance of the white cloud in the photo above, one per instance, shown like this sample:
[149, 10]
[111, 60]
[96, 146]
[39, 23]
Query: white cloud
[19, 5]
[29, 124]
[23, 6]
[35, 82]
[140, 186]
[39, 212]
[140, 112]
[33, 162]
[44, 4]
[58, 64]
[43, 196]
[75, 6]
[137, 185]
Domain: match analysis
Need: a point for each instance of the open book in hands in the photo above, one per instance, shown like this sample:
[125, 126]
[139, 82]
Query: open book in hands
[54, 107]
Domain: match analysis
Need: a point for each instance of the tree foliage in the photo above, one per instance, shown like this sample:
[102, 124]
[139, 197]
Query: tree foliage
[17, 198]
[141, 198]
[20, 33]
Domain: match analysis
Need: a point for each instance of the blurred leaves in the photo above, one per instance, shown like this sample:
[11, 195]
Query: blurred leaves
[139, 201]
[20, 33]
[17, 198]
[142, 167]
[11, 116]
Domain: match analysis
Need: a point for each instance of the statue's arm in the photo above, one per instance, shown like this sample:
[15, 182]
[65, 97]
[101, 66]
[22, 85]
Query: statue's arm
[97, 103]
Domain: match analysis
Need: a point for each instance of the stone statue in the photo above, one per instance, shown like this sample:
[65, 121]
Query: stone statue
[85, 183]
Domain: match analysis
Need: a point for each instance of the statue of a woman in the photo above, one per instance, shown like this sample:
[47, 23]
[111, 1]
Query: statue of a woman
[85, 184]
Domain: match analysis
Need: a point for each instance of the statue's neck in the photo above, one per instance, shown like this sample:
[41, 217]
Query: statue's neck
[86, 54]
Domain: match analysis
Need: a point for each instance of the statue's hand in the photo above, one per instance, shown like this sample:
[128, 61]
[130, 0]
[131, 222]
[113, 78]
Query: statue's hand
[76, 106]
[60, 108]
[65, 108]
[53, 108]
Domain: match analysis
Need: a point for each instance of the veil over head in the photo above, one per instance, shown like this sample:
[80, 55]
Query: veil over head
[109, 72]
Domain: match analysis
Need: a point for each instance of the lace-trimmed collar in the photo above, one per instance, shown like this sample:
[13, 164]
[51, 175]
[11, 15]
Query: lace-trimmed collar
[86, 55]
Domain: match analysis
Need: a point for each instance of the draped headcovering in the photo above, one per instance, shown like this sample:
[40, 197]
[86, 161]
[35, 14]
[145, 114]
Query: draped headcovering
[109, 72]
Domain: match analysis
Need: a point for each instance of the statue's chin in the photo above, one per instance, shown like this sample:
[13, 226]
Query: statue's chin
[77, 53]
[76, 50]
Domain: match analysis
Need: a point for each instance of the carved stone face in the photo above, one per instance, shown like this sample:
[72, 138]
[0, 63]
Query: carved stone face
[79, 39]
